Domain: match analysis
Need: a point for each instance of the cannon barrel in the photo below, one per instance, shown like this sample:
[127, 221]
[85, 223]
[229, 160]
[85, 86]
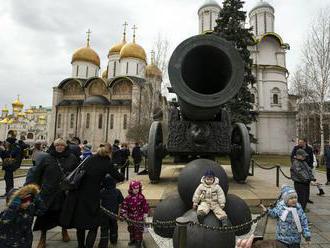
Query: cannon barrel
[205, 72]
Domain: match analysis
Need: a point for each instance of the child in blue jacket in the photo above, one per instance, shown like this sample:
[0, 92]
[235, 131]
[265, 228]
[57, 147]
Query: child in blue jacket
[16, 220]
[291, 220]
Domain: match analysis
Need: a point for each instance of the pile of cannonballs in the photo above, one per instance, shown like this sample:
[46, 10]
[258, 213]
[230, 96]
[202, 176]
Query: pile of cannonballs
[180, 205]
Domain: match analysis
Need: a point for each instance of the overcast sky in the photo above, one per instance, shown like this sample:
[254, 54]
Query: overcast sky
[38, 37]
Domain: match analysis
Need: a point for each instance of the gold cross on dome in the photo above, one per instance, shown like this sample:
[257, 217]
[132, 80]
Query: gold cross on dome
[125, 26]
[134, 30]
[88, 36]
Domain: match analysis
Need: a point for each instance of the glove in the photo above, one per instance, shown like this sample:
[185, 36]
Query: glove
[16, 202]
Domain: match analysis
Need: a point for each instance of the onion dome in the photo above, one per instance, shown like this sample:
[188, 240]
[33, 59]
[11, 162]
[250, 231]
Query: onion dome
[29, 111]
[105, 74]
[42, 117]
[86, 54]
[152, 70]
[16, 110]
[17, 104]
[21, 114]
[262, 4]
[11, 121]
[133, 50]
[4, 121]
[209, 3]
[115, 49]
[5, 109]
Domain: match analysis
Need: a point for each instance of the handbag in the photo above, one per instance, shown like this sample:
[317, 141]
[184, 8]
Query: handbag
[73, 180]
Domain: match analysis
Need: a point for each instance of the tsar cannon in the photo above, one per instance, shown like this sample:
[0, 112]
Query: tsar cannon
[205, 72]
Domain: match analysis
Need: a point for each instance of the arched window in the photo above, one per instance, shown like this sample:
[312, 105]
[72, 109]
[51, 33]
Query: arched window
[71, 120]
[253, 98]
[275, 99]
[29, 136]
[111, 121]
[88, 118]
[100, 121]
[125, 122]
[59, 120]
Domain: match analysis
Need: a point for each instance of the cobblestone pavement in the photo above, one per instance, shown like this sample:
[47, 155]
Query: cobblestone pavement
[319, 215]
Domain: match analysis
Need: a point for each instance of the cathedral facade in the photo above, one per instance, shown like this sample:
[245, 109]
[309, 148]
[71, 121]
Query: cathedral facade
[275, 128]
[32, 124]
[102, 108]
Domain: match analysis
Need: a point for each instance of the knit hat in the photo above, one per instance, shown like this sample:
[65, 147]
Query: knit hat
[135, 184]
[209, 173]
[301, 152]
[288, 193]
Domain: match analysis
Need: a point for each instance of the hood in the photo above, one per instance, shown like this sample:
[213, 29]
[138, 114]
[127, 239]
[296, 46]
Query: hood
[135, 184]
[31, 189]
[216, 181]
[11, 140]
[287, 192]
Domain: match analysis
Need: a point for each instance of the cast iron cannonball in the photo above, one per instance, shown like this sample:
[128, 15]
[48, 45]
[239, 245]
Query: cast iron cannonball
[190, 178]
[199, 237]
[168, 210]
[238, 213]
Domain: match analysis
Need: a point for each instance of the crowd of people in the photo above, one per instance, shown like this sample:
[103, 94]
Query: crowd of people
[45, 197]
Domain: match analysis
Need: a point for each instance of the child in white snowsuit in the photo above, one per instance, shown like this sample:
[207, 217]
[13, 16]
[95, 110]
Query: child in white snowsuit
[209, 196]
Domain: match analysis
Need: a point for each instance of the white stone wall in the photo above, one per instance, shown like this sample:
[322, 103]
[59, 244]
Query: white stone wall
[207, 18]
[262, 20]
[132, 67]
[82, 69]
[114, 71]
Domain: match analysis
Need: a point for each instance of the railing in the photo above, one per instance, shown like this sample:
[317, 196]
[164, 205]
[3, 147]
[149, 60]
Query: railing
[277, 167]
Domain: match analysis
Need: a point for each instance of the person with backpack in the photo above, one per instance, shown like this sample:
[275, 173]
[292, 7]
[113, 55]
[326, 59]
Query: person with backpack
[11, 162]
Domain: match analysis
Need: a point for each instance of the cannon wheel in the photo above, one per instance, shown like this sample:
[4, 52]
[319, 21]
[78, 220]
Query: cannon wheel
[240, 152]
[155, 151]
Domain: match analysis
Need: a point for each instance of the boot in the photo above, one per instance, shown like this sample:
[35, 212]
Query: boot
[321, 192]
[138, 244]
[65, 235]
[42, 241]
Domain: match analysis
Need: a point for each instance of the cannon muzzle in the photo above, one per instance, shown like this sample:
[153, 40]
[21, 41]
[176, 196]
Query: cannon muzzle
[205, 71]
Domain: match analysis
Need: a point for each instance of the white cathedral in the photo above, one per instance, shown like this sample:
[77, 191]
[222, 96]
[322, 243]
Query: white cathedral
[102, 109]
[275, 128]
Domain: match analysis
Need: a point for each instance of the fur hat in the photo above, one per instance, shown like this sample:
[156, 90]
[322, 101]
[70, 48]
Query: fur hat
[209, 173]
[29, 189]
[288, 193]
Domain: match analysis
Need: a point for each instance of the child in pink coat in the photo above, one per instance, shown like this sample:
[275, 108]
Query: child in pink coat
[135, 207]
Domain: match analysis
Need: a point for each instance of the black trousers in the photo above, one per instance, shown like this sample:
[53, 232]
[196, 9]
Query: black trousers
[328, 174]
[136, 166]
[302, 190]
[108, 229]
[9, 180]
[86, 242]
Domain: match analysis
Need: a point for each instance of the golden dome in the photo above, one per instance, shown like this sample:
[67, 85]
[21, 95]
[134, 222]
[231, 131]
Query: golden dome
[17, 104]
[16, 110]
[42, 117]
[105, 74]
[133, 50]
[21, 114]
[11, 121]
[5, 110]
[86, 54]
[115, 49]
[153, 71]
[4, 121]
[29, 111]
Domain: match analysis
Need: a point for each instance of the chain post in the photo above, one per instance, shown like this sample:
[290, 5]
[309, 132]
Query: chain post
[182, 224]
[277, 175]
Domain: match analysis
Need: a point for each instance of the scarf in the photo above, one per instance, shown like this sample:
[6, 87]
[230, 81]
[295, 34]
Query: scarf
[295, 217]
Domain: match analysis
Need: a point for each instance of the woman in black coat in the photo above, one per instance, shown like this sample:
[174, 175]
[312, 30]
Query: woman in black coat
[49, 174]
[86, 213]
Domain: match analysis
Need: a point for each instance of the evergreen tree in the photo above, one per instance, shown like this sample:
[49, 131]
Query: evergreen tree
[230, 26]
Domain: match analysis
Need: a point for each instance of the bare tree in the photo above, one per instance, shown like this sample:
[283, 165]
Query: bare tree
[161, 47]
[312, 80]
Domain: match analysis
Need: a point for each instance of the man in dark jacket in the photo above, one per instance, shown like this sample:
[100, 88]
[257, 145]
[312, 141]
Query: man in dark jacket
[116, 154]
[137, 157]
[302, 176]
[74, 147]
[111, 198]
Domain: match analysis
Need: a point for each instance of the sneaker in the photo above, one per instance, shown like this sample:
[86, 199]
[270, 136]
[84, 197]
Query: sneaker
[309, 201]
[321, 192]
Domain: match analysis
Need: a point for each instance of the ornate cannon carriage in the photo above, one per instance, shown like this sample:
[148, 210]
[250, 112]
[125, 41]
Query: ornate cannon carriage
[205, 72]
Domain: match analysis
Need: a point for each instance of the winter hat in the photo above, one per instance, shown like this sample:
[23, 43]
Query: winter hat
[288, 193]
[209, 173]
[301, 152]
[135, 184]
